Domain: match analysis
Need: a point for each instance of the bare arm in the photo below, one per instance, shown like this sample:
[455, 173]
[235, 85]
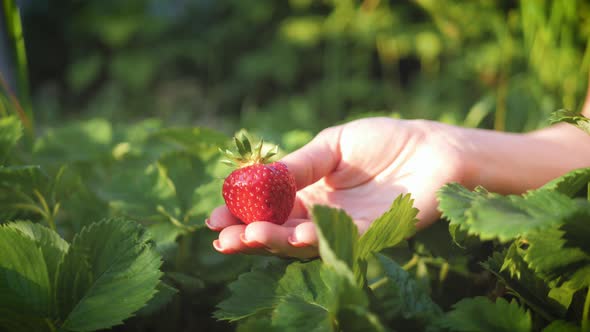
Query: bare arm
[513, 163]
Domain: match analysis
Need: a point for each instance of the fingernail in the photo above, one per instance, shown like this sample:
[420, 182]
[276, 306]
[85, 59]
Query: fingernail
[293, 242]
[218, 247]
[211, 227]
[251, 244]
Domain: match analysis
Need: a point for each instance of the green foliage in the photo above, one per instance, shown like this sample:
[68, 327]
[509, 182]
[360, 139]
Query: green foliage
[338, 236]
[399, 296]
[108, 260]
[324, 295]
[480, 314]
[490, 216]
[304, 65]
[561, 326]
[10, 132]
[390, 229]
[71, 185]
[545, 262]
[305, 296]
[51, 285]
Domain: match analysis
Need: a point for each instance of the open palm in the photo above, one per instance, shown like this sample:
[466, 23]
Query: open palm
[361, 167]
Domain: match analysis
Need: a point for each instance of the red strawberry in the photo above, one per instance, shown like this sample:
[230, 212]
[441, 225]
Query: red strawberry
[257, 191]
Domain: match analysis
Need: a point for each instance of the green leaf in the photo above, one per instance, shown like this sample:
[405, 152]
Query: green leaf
[454, 202]
[141, 194]
[25, 285]
[252, 293]
[164, 235]
[401, 297]
[577, 231]
[308, 291]
[321, 284]
[491, 216]
[561, 326]
[520, 280]
[548, 256]
[337, 235]
[24, 178]
[481, 314]
[508, 217]
[21, 321]
[294, 313]
[389, 229]
[11, 131]
[17, 190]
[570, 183]
[112, 259]
[198, 189]
[76, 142]
[321, 290]
[51, 244]
[574, 118]
[562, 295]
[256, 324]
[205, 198]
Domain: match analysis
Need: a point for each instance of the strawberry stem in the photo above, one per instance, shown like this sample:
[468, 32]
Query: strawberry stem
[245, 155]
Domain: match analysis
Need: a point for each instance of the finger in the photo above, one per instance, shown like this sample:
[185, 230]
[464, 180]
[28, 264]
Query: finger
[304, 235]
[294, 222]
[305, 232]
[221, 218]
[316, 159]
[299, 209]
[426, 204]
[275, 239]
[230, 242]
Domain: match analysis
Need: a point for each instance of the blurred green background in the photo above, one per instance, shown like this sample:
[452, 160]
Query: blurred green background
[287, 69]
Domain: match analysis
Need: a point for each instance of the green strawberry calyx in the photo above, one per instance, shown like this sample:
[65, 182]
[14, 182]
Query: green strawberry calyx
[247, 155]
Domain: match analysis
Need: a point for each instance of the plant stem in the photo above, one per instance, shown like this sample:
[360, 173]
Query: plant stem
[378, 283]
[49, 214]
[411, 263]
[50, 325]
[15, 30]
[586, 313]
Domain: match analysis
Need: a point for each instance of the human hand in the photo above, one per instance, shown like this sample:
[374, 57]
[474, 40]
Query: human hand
[361, 167]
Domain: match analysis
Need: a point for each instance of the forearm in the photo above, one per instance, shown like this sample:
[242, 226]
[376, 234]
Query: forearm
[514, 163]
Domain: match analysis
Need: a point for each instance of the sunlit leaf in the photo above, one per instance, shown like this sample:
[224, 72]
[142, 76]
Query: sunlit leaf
[112, 259]
[389, 229]
[481, 314]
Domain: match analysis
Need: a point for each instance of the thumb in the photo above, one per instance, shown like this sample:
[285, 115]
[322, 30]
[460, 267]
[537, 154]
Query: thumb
[316, 159]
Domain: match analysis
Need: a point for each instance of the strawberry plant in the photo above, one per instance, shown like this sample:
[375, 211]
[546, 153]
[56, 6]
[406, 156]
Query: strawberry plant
[115, 237]
[49, 284]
